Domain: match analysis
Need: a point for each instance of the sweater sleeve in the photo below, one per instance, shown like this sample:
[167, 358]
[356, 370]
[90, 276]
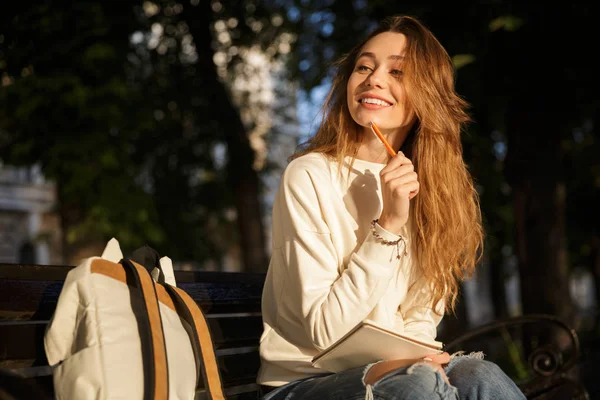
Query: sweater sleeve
[325, 302]
[419, 317]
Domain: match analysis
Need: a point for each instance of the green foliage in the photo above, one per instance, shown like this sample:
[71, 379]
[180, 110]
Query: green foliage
[71, 113]
[460, 60]
[129, 130]
[509, 23]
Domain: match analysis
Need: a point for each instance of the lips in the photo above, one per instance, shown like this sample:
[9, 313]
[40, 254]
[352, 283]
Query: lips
[374, 100]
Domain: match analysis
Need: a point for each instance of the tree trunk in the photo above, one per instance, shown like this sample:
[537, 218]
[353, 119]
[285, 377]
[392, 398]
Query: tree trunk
[534, 170]
[64, 213]
[595, 260]
[241, 175]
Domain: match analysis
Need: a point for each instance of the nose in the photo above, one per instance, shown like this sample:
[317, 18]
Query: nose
[376, 78]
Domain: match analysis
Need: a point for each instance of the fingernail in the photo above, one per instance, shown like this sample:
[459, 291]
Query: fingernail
[427, 359]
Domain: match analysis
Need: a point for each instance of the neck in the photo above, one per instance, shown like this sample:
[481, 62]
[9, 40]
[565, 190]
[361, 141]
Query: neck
[371, 148]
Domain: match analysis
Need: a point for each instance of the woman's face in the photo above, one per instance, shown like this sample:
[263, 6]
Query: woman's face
[375, 90]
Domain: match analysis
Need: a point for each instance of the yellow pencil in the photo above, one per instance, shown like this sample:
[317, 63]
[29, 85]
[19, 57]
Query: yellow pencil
[382, 138]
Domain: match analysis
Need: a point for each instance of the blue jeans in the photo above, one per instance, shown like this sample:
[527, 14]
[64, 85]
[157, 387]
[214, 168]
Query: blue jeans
[470, 376]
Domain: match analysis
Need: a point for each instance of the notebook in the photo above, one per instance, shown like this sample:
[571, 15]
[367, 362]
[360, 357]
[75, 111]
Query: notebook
[369, 342]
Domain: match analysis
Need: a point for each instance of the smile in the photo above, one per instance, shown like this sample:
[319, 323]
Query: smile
[372, 100]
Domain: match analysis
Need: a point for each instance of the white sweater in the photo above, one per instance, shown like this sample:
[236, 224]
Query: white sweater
[328, 272]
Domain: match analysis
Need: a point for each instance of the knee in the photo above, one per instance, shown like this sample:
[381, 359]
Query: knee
[474, 368]
[419, 381]
[483, 378]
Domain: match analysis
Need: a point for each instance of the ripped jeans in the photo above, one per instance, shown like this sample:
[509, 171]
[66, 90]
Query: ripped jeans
[470, 376]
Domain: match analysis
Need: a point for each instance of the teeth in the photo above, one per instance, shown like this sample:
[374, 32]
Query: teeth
[375, 101]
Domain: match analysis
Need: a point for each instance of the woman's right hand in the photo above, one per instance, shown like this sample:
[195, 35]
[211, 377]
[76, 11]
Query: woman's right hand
[440, 358]
[399, 185]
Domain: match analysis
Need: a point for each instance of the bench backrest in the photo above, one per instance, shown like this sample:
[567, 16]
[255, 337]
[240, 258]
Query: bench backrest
[231, 302]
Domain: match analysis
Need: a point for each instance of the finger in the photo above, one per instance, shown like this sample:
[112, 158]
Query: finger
[390, 174]
[435, 356]
[404, 190]
[399, 177]
[399, 159]
[414, 190]
[435, 359]
[443, 358]
[414, 193]
[396, 161]
[399, 182]
[436, 366]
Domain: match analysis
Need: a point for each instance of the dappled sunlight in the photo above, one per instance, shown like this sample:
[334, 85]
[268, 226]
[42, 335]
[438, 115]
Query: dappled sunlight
[251, 73]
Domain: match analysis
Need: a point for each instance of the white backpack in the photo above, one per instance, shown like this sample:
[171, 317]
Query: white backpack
[117, 333]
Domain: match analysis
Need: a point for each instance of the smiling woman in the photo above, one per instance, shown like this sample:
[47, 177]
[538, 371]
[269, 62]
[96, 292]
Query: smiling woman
[375, 91]
[359, 234]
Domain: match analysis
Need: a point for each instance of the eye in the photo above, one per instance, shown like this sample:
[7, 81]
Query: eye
[363, 68]
[396, 72]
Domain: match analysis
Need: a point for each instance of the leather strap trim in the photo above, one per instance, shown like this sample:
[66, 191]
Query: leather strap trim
[117, 272]
[206, 361]
[156, 374]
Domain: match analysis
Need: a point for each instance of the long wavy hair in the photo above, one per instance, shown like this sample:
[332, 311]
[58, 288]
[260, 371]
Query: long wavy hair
[445, 217]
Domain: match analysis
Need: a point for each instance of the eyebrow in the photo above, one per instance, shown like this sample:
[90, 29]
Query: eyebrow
[372, 55]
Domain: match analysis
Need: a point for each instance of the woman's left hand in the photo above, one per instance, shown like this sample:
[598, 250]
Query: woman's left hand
[441, 358]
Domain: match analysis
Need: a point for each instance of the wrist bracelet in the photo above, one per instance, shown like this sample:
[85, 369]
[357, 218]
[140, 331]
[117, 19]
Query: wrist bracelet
[389, 242]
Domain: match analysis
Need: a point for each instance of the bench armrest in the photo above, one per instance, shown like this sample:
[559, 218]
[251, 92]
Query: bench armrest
[537, 351]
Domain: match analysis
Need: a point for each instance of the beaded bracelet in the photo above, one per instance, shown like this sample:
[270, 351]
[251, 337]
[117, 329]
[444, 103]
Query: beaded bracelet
[389, 242]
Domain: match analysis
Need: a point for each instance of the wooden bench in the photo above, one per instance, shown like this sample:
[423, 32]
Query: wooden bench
[231, 302]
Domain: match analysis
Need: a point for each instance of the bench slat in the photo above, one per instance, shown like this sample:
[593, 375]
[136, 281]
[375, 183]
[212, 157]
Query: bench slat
[239, 366]
[59, 273]
[36, 299]
[38, 388]
[227, 330]
[235, 370]
[25, 339]
[22, 340]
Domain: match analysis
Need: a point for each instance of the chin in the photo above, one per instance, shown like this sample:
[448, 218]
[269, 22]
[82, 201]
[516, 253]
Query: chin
[381, 119]
[364, 119]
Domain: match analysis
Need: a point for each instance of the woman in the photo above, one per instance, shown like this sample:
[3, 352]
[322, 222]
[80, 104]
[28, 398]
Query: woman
[359, 235]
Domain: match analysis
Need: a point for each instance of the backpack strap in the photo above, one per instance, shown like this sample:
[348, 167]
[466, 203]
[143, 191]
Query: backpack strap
[206, 362]
[154, 352]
